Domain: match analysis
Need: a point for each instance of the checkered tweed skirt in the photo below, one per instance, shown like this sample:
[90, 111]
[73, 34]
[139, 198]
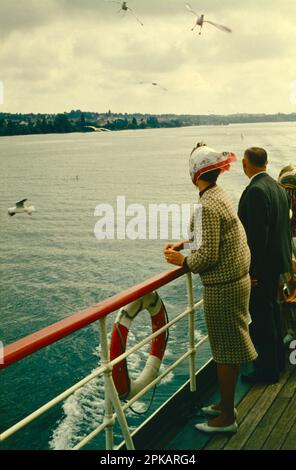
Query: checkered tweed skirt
[226, 309]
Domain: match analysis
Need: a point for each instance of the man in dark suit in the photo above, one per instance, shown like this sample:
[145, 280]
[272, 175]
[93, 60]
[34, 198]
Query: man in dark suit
[264, 212]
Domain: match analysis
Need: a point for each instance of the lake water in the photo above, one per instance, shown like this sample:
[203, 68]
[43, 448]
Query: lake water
[52, 265]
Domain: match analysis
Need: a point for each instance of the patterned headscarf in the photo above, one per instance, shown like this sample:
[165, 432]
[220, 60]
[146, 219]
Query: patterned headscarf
[204, 159]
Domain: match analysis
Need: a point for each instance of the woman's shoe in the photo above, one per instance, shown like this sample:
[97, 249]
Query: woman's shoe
[210, 411]
[204, 427]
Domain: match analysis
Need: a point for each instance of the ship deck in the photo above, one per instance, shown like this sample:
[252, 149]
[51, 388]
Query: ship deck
[266, 418]
[267, 414]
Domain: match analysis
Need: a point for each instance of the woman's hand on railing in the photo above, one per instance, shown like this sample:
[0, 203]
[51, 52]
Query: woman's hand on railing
[174, 257]
[178, 246]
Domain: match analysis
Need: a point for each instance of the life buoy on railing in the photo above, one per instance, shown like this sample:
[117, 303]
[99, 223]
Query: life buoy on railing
[126, 387]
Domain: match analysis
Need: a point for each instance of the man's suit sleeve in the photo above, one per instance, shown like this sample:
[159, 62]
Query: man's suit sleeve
[255, 216]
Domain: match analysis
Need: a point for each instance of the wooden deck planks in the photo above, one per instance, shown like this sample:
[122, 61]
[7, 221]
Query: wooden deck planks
[267, 417]
[290, 441]
[220, 440]
[274, 413]
[283, 427]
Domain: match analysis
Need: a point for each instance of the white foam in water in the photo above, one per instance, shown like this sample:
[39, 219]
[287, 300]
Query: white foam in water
[84, 410]
[198, 335]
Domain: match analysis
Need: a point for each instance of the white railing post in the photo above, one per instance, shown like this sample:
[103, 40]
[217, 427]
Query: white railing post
[111, 395]
[192, 348]
[109, 441]
[109, 418]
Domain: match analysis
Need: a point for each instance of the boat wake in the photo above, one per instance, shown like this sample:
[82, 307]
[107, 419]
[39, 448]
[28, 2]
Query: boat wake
[84, 410]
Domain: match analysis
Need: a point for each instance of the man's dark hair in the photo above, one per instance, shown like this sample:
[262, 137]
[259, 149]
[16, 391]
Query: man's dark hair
[256, 156]
[210, 176]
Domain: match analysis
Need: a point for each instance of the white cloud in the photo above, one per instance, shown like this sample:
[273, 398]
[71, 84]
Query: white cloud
[58, 55]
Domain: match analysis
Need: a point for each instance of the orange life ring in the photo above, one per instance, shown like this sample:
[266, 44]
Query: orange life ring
[126, 387]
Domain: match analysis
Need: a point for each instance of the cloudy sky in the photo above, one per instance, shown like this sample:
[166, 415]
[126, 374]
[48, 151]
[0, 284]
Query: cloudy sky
[58, 55]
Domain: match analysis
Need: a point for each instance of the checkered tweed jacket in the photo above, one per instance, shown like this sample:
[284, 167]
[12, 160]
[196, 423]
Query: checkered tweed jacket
[223, 255]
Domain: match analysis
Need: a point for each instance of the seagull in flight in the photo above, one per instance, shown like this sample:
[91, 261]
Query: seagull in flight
[20, 208]
[200, 21]
[153, 84]
[124, 8]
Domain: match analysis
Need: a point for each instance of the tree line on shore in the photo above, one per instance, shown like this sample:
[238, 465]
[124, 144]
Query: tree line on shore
[78, 121]
[62, 124]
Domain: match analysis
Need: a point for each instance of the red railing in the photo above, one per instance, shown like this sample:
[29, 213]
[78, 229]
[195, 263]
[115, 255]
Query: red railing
[26, 346]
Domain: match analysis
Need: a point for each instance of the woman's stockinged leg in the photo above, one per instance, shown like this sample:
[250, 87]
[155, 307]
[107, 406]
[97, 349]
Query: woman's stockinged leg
[227, 378]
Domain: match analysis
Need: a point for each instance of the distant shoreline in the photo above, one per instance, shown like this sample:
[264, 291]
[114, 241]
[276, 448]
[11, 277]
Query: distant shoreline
[79, 121]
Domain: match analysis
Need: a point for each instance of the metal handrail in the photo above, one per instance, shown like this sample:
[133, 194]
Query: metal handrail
[23, 348]
[139, 395]
[51, 334]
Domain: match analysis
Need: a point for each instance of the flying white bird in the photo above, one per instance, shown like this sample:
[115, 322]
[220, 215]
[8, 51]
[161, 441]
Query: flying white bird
[200, 21]
[124, 8]
[21, 208]
[153, 84]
